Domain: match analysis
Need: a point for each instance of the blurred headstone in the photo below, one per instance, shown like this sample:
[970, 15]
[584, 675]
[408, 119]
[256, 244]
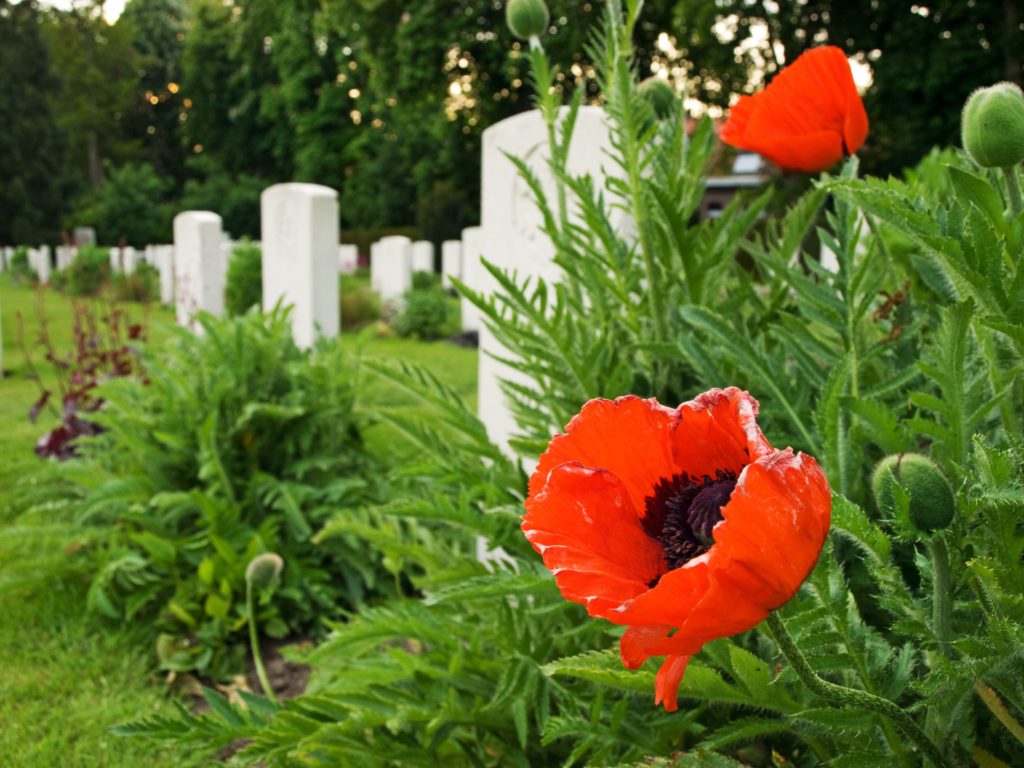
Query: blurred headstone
[393, 267]
[164, 258]
[299, 224]
[198, 265]
[451, 262]
[348, 258]
[423, 256]
[84, 236]
[473, 274]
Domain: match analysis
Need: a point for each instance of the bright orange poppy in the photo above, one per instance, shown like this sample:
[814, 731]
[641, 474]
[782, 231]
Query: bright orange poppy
[808, 118]
[683, 524]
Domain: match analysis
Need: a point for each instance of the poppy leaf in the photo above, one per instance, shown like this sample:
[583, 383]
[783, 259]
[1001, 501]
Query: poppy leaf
[744, 729]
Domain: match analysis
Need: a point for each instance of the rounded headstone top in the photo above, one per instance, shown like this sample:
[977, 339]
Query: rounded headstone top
[394, 239]
[299, 188]
[199, 217]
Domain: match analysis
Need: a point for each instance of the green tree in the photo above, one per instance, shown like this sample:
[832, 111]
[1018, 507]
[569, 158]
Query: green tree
[131, 205]
[32, 146]
[97, 66]
[157, 29]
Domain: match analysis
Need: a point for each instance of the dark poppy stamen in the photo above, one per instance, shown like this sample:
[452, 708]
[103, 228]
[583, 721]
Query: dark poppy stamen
[684, 511]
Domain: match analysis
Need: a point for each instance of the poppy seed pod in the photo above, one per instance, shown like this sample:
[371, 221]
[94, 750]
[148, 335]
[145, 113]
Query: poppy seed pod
[659, 94]
[992, 126]
[527, 18]
[931, 505]
[263, 569]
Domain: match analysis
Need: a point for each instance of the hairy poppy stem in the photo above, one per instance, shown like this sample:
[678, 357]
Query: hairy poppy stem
[851, 697]
[1013, 189]
[940, 592]
[261, 671]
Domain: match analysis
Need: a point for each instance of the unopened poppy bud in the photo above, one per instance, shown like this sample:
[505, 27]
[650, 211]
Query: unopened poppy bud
[527, 18]
[659, 94]
[931, 505]
[263, 569]
[992, 127]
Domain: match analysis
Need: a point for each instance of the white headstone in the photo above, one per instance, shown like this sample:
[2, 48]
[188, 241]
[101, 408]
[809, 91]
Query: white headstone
[348, 259]
[198, 264]
[393, 267]
[39, 260]
[423, 256]
[129, 258]
[451, 262]
[5, 257]
[473, 275]
[513, 236]
[84, 236]
[115, 260]
[376, 266]
[299, 224]
[165, 266]
[65, 255]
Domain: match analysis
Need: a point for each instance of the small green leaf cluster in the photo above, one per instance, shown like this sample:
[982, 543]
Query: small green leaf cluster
[244, 287]
[426, 311]
[239, 443]
[87, 272]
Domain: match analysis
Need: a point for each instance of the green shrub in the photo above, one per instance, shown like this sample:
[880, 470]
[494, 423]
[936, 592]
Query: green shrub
[132, 204]
[240, 444]
[141, 285]
[359, 307]
[426, 314]
[21, 272]
[86, 274]
[424, 281]
[244, 288]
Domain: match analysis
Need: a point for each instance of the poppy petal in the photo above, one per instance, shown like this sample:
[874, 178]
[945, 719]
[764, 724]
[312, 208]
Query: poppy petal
[808, 116]
[628, 437]
[718, 430]
[666, 682]
[584, 526]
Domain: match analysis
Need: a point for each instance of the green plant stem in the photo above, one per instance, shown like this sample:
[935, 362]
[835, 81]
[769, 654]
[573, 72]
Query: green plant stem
[254, 643]
[851, 697]
[1013, 189]
[996, 706]
[940, 592]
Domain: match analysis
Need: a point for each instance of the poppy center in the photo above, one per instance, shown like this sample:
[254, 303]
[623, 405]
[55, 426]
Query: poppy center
[684, 511]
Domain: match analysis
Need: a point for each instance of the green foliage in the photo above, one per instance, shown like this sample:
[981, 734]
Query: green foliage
[426, 312]
[141, 285]
[88, 271]
[33, 148]
[131, 207]
[360, 305]
[244, 288]
[239, 444]
[21, 272]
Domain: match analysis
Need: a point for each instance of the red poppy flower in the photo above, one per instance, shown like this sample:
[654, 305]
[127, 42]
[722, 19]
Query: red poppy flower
[682, 523]
[808, 117]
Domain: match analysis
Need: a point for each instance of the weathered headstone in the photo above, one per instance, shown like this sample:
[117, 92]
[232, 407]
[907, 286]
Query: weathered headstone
[198, 264]
[164, 262]
[65, 255]
[423, 256]
[299, 224]
[39, 260]
[393, 267]
[84, 236]
[5, 256]
[376, 266]
[451, 262]
[348, 259]
[129, 258]
[473, 274]
[513, 236]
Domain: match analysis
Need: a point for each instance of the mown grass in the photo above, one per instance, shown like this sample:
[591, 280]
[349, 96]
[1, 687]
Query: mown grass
[68, 677]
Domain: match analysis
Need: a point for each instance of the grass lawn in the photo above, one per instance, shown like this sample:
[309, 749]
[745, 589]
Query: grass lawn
[67, 677]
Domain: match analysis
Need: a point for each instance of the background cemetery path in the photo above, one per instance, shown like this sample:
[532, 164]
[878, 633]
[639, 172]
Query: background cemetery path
[67, 677]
